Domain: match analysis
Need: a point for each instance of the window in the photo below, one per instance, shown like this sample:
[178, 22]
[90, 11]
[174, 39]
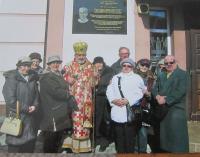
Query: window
[159, 35]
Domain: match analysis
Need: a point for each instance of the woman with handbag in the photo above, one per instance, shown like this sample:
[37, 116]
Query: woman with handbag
[21, 86]
[126, 88]
[143, 69]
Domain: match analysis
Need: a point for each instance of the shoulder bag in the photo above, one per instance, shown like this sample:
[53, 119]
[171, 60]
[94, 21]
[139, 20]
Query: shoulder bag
[12, 125]
[159, 111]
[133, 112]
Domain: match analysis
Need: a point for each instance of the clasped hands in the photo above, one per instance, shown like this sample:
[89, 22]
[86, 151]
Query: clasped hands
[120, 102]
[31, 109]
[161, 99]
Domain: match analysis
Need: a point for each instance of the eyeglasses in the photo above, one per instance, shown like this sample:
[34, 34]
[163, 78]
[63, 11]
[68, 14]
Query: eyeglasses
[169, 63]
[128, 66]
[56, 62]
[144, 64]
[34, 61]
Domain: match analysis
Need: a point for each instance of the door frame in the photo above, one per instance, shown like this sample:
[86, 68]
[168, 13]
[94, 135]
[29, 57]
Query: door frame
[189, 47]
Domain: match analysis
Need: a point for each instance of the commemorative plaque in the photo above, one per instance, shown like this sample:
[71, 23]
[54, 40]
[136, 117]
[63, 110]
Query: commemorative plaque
[99, 17]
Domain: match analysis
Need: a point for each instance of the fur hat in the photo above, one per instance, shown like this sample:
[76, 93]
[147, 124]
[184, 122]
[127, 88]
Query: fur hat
[146, 62]
[80, 47]
[54, 59]
[22, 61]
[35, 55]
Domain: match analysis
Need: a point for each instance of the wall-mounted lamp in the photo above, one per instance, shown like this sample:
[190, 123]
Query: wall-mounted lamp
[143, 8]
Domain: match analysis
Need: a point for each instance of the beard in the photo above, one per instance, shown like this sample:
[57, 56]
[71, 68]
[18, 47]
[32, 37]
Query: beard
[81, 61]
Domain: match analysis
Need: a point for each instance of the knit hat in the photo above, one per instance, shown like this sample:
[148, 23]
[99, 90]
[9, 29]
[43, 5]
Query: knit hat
[80, 47]
[127, 60]
[22, 61]
[35, 55]
[98, 60]
[54, 59]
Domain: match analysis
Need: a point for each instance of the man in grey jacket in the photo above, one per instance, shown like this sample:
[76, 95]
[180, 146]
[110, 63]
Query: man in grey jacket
[123, 53]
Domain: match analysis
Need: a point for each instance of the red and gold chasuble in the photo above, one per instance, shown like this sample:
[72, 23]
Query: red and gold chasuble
[82, 90]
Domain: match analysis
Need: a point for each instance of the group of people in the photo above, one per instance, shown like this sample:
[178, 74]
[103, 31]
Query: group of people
[101, 95]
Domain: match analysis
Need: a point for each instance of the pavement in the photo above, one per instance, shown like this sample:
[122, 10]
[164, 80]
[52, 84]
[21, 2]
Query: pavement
[194, 135]
[193, 129]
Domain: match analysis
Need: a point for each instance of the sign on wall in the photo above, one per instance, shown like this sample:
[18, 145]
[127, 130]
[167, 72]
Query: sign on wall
[99, 17]
[104, 43]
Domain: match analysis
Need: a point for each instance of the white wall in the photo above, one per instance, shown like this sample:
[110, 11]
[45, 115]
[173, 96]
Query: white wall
[22, 31]
[98, 44]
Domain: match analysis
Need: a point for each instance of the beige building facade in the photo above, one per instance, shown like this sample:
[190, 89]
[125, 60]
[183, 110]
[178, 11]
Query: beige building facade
[166, 27]
[181, 33]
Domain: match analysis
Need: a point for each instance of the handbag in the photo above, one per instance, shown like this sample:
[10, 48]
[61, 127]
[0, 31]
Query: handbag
[160, 111]
[130, 114]
[134, 112]
[12, 125]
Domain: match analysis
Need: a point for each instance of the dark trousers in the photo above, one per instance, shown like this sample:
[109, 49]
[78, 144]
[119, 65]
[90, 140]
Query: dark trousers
[101, 113]
[154, 140]
[52, 141]
[24, 148]
[124, 137]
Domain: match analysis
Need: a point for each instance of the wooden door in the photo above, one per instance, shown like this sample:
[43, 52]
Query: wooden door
[195, 73]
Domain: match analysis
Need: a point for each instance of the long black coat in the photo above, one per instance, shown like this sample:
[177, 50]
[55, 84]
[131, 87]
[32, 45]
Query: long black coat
[16, 88]
[102, 105]
[173, 128]
[54, 91]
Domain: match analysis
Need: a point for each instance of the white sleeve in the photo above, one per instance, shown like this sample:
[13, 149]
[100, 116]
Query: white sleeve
[142, 86]
[110, 92]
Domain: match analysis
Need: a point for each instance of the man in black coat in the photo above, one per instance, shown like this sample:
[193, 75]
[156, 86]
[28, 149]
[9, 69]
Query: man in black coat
[102, 107]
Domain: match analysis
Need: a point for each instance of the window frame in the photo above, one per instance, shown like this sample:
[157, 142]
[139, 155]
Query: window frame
[169, 38]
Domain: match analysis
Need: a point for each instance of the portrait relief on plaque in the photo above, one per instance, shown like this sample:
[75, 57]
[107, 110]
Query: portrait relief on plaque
[99, 17]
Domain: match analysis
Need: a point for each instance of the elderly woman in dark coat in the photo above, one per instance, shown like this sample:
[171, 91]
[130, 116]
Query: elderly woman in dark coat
[21, 86]
[54, 94]
[170, 90]
[102, 106]
[36, 60]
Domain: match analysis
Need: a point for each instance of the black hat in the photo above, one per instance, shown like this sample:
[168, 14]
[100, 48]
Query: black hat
[98, 60]
[35, 55]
